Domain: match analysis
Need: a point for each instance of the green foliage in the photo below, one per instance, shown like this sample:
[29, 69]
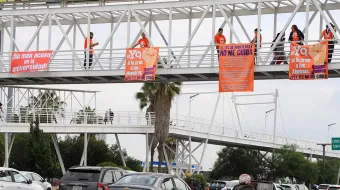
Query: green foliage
[98, 152]
[107, 164]
[331, 171]
[38, 152]
[292, 164]
[111, 164]
[232, 162]
[202, 182]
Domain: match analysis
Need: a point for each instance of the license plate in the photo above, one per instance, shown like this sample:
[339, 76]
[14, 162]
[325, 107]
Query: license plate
[77, 188]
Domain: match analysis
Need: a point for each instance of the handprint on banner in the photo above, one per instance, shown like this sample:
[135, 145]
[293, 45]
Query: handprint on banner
[150, 56]
[318, 53]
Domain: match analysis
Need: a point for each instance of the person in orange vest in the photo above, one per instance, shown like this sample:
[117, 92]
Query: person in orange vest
[254, 41]
[143, 42]
[328, 35]
[91, 52]
[219, 40]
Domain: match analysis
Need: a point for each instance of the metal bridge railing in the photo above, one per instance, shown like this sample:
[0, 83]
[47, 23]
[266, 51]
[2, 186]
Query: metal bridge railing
[229, 130]
[60, 116]
[114, 59]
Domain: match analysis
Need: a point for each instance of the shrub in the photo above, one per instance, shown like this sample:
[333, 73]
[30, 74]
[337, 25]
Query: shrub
[202, 182]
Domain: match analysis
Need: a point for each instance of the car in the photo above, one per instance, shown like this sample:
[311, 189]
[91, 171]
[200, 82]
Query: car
[36, 178]
[218, 184]
[150, 181]
[323, 186]
[333, 187]
[12, 179]
[264, 185]
[301, 187]
[231, 184]
[289, 187]
[89, 178]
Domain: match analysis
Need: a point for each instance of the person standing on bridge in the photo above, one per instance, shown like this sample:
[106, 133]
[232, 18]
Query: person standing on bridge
[91, 52]
[254, 41]
[143, 42]
[296, 35]
[219, 40]
[328, 35]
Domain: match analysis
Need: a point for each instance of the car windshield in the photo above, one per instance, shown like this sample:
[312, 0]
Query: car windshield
[232, 183]
[323, 186]
[333, 188]
[218, 184]
[286, 187]
[144, 180]
[82, 175]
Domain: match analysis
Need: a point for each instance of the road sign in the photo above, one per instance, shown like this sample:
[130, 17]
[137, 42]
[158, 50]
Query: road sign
[336, 143]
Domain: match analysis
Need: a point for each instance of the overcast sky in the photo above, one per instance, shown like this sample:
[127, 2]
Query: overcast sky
[305, 109]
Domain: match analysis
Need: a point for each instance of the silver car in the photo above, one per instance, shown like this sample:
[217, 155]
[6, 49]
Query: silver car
[36, 178]
[11, 179]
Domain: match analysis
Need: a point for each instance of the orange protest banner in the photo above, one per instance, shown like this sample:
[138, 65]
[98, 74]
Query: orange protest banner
[141, 63]
[236, 68]
[308, 62]
[30, 61]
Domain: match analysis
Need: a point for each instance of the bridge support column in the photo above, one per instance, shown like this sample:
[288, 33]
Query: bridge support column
[120, 150]
[85, 149]
[82, 156]
[55, 142]
[6, 150]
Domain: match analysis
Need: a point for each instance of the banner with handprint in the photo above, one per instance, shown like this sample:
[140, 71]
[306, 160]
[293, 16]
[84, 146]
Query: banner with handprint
[308, 62]
[141, 64]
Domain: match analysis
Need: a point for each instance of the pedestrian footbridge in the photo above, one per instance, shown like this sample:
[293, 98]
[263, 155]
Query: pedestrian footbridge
[67, 122]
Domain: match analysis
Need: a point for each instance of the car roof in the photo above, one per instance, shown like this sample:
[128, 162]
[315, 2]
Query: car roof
[334, 186]
[11, 169]
[151, 174]
[220, 181]
[98, 168]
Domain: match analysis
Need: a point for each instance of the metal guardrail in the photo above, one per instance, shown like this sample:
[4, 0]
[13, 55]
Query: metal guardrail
[59, 116]
[114, 59]
[229, 130]
[97, 117]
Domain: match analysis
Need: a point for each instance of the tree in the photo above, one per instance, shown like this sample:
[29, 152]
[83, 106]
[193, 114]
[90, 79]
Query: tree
[232, 162]
[71, 149]
[47, 106]
[157, 97]
[38, 152]
[292, 164]
[331, 174]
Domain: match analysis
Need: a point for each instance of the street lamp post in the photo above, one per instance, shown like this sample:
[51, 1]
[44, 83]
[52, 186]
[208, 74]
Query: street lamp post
[190, 153]
[265, 118]
[329, 127]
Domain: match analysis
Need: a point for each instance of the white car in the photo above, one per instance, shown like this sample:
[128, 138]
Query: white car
[11, 179]
[36, 178]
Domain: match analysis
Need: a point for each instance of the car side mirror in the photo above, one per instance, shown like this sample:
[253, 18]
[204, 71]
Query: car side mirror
[43, 180]
[29, 181]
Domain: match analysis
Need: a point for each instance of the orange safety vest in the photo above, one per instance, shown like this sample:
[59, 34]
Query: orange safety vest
[91, 47]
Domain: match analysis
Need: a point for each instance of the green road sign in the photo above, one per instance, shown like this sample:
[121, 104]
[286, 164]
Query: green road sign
[336, 143]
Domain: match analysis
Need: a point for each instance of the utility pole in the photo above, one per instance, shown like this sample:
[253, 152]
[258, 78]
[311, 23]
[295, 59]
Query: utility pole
[324, 157]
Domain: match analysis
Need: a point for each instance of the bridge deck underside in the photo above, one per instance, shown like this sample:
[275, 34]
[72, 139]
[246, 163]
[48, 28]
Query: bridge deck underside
[163, 75]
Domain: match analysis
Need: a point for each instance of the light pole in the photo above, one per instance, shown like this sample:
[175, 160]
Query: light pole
[190, 153]
[265, 118]
[329, 127]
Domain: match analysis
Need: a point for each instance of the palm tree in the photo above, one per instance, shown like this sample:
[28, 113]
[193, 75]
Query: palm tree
[157, 97]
